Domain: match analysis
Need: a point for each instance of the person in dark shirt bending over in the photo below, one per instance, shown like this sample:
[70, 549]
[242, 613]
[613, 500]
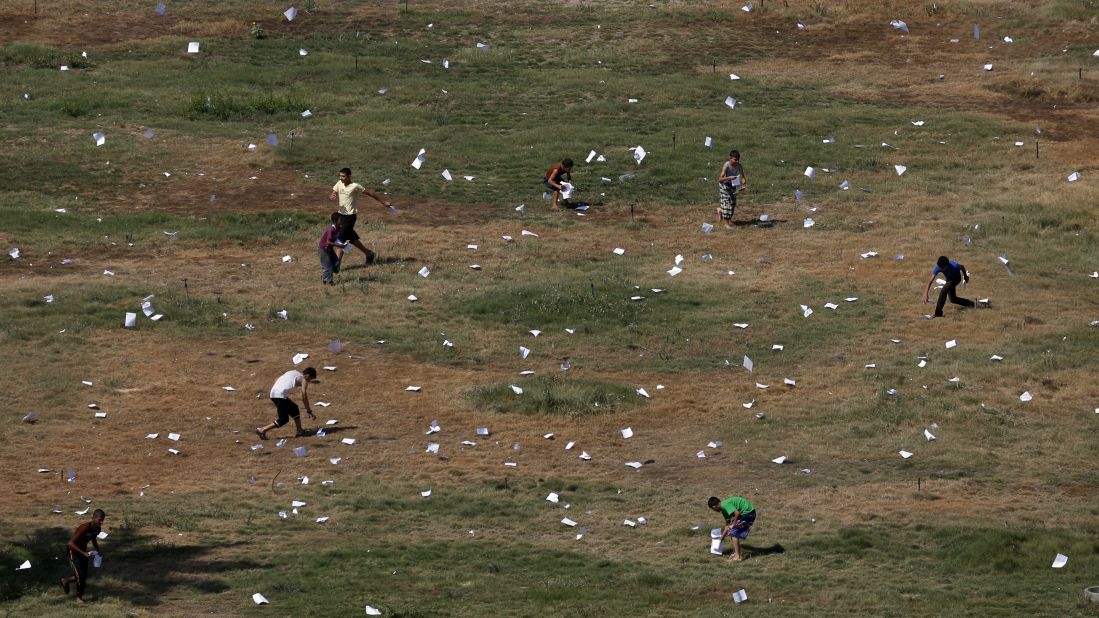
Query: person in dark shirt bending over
[954, 273]
[79, 556]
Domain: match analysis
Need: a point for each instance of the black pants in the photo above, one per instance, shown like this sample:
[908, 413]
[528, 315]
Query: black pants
[80, 569]
[347, 227]
[287, 410]
[949, 291]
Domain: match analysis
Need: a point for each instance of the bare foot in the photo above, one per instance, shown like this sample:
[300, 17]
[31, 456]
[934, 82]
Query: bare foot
[735, 558]
[65, 585]
[79, 600]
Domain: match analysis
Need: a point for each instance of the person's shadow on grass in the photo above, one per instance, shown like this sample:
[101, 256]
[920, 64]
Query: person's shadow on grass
[750, 551]
[379, 261]
[758, 223]
[309, 433]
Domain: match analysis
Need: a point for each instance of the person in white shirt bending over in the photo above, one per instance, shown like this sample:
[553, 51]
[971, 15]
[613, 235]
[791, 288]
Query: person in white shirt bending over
[287, 409]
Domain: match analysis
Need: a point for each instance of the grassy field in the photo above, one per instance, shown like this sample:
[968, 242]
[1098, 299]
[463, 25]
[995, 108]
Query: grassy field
[210, 192]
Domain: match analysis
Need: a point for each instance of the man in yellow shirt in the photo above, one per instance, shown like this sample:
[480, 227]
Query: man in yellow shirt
[346, 192]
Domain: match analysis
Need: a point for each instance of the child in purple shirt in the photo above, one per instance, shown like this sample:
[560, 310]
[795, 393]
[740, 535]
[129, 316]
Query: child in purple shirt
[330, 262]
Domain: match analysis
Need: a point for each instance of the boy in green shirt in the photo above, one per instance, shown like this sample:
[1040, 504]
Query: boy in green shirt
[739, 516]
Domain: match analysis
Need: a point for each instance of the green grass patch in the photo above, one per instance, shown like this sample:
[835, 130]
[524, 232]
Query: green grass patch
[37, 56]
[556, 395]
[601, 302]
[45, 230]
[233, 544]
[225, 106]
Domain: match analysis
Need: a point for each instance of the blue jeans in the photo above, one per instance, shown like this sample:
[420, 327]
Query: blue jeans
[329, 264]
[743, 525]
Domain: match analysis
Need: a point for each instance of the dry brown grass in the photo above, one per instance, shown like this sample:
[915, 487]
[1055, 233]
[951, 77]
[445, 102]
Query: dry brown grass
[149, 381]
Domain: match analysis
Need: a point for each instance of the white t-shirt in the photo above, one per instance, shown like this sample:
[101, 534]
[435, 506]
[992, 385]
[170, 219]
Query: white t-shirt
[286, 383]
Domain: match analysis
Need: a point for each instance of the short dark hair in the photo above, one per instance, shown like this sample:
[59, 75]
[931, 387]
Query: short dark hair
[943, 261]
[566, 162]
[346, 170]
[310, 373]
[713, 501]
[734, 153]
[99, 513]
[334, 217]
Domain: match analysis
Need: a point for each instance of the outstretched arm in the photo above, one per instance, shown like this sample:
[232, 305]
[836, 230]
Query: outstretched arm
[377, 198]
[927, 290]
[305, 396]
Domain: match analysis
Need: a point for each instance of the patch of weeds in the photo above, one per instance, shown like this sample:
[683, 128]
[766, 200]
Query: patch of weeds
[226, 106]
[554, 395]
[79, 309]
[40, 56]
[948, 474]
[871, 164]
[606, 301]
[984, 549]
[851, 541]
[87, 104]
[276, 226]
